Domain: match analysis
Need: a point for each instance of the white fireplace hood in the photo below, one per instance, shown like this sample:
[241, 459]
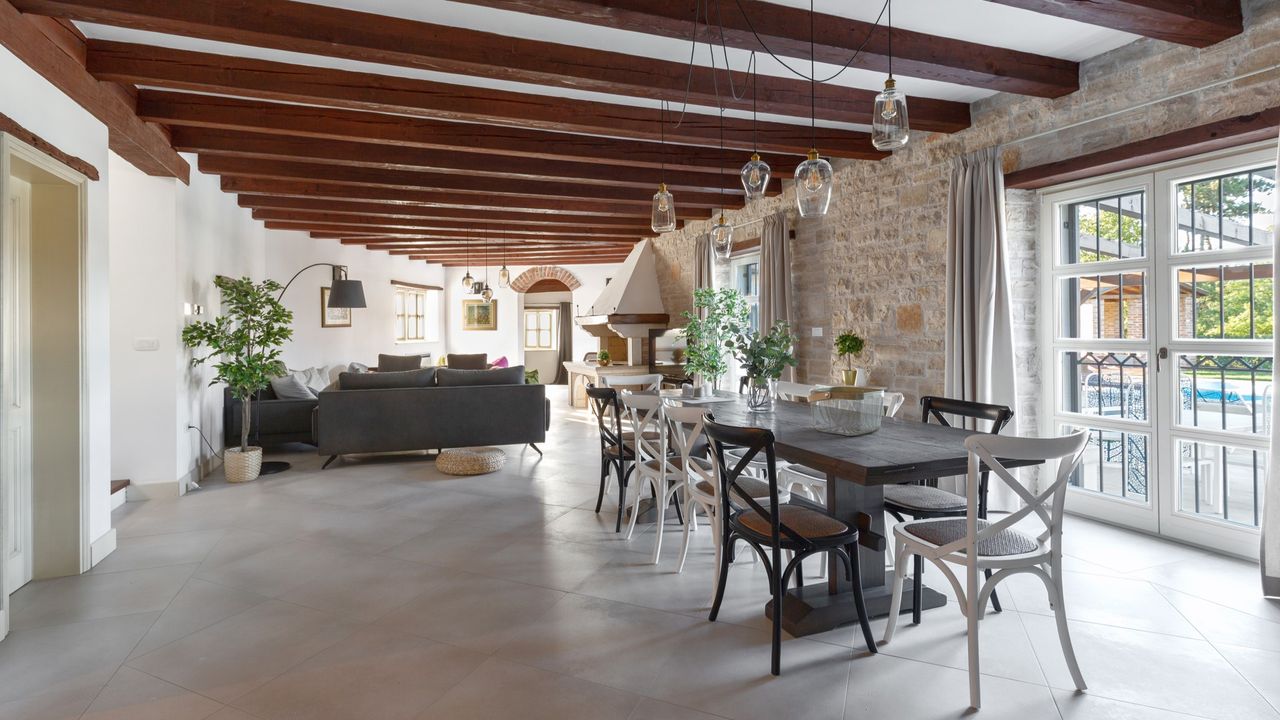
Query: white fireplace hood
[631, 304]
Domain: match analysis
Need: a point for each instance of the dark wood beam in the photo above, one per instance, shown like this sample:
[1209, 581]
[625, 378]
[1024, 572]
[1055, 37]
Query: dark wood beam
[524, 246]
[234, 143]
[8, 125]
[143, 145]
[1198, 23]
[323, 191]
[353, 229]
[492, 187]
[173, 69]
[514, 217]
[786, 31]
[475, 227]
[555, 259]
[1232, 132]
[313, 29]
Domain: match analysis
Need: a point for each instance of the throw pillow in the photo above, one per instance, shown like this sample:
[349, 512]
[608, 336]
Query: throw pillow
[500, 362]
[425, 377]
[291, 387]
[449, 377]
[316, 379]
[477, 361]
[397, 363]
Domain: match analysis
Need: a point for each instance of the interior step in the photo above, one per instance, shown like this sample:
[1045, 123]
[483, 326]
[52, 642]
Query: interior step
[118, 485]
[118, 494]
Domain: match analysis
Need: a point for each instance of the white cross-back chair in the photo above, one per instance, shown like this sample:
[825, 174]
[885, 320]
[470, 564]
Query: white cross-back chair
[635, 383]
[978, 545]
[655, 468]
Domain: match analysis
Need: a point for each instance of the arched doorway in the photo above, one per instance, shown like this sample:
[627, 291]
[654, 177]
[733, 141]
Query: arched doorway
[546, 320]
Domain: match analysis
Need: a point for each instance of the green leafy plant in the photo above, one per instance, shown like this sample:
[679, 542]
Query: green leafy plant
[531, 377]
[245, 340]
[849, 344]
[603, 357]
[717, 318]
[765, 356]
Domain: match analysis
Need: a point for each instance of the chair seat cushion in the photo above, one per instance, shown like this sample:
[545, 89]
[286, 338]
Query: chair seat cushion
[677, 462]
[949, 530]
[629, 436]
[923, 498]
[808, 523]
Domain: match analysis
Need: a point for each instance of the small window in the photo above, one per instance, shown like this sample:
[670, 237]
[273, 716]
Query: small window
[539, 329]
[417, 310]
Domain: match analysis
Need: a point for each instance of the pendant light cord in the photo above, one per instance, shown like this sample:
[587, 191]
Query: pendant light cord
[889, 3]
[813, 82]
[755, 91]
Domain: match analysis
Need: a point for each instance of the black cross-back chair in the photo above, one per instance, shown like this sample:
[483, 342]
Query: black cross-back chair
[926, 499]
[802, 528]
[615, 455]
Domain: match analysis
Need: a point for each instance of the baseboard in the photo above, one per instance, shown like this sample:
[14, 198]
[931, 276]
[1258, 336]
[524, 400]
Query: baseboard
[155, 491]
[102, 547]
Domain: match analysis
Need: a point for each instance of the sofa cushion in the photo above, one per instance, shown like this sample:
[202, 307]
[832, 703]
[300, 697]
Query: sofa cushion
[397, 363]
[477, 361]
[449, 377]
[292, 387]
[425, 377]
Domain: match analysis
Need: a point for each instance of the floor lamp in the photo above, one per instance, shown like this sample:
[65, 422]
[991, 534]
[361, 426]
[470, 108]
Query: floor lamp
[343, 293]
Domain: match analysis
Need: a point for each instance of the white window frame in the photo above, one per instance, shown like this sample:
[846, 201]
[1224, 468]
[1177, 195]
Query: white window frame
[552, 331]
[429, 301]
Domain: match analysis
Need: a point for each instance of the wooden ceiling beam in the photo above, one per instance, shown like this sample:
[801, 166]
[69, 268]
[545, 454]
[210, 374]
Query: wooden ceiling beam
[1198, 23]
[516, 217]
[475, 227]
[234, 143]
[434, 199]
[144, 145]
[556, 259]
[182, 70]
[492, 188]
[349, 229]
[786, 31]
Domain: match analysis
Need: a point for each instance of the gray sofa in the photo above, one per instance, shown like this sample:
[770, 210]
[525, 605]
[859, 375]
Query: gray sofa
[430, 410]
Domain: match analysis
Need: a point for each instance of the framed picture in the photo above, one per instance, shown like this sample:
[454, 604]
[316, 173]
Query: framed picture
[332, 317]
[479, 315]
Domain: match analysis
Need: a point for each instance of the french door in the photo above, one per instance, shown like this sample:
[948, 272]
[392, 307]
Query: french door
[1157, 341]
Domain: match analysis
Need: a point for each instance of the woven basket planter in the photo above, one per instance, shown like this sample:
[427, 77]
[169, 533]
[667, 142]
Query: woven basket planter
[242, 466]
[470, 461]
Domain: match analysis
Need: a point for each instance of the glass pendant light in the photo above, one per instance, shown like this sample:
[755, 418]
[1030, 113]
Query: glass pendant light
[755, 174]
[486, 292]
[504, 275]
[663, 217]
[814, 177]
[889, 128]
[467, 280]
[722, 238]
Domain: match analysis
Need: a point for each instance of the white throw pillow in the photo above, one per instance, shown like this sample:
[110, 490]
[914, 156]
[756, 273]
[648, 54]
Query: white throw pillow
[316, 379]
[291, 387]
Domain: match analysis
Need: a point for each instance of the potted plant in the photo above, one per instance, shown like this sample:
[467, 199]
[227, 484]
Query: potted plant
[763, 358]
[718, 316]
[245, 341]
[603, 358]
[848, 345]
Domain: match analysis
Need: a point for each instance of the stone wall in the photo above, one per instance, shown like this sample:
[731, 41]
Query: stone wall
[876, 263]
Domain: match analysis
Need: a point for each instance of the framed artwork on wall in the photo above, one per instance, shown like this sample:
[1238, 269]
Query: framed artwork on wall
[332, 317]
[479, 315]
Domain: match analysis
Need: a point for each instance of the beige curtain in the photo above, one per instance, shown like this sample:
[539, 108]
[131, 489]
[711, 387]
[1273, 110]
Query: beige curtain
[775, 275]
[704, 263]
[979, 338]
[1271, 497]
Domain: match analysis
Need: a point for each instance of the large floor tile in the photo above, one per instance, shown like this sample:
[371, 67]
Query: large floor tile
[67, 658]
[90, 596]
[233, 657]
[1221, 624]
[54, 705]
[363, 589]
[1260, 667]
[547, 563]
[152, 551]
[887, 687]
[500, 689]
[133, 695]
[941, 638]
[1226, 581]
[197, 606]
[1122, 602]
[1084, 706]
[280, 568]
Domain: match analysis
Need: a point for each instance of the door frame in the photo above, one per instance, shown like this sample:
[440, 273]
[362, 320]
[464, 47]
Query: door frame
[11, 148]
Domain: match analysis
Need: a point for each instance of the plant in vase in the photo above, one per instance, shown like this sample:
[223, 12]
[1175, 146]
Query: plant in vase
[848, 345]
[718, 316]
[603, 359]
[764, 357]
[245, 341]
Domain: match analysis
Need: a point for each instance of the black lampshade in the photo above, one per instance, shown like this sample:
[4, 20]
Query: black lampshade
[344, 293]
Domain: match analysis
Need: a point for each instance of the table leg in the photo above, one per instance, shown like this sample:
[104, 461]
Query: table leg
[825, 606]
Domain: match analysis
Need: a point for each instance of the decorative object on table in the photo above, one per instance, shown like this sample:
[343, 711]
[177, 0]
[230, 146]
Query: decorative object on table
[246, 341]
[479, 314]
[848, 345]
[889, 128]
[845, 410]
[717, 317]
[603, 358]
[531, 377]
[471, 461]
[330, 316]
[763, 358]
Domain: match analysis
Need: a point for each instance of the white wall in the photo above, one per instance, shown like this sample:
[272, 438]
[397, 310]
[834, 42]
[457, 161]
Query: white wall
[372, 328]
[41, 108]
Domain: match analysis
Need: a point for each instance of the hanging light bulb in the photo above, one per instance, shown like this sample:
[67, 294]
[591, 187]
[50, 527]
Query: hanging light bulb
[722, 238]
[487, 293]
[504, 275]
[467, 280]
[663, 218]
[814, 180]
[755, 177]
[889, 128]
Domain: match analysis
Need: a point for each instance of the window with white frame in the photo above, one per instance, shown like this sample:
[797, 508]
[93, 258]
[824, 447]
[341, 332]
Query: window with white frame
[417, 314]
[745, 276]
[540, 328]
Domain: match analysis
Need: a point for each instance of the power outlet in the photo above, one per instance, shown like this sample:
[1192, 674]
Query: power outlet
[146, 344]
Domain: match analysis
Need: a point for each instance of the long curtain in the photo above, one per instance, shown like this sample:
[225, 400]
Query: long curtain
[566, 343]
[979, 338]
[1271, 497]
[703, 263]
[775, 275]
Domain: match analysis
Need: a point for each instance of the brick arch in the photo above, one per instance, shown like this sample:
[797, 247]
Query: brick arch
[544, 272]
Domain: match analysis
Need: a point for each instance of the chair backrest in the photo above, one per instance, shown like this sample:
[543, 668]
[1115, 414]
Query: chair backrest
[590, 357]
[742, 384]
[645, 415]
[794, 391]
[605, 406]
[893, 403]
[686, 426]
[937, 408]
[639, 383]
[986, 453]
[753, 441]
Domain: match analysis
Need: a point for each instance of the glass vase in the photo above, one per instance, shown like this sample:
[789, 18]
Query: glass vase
[760, 392]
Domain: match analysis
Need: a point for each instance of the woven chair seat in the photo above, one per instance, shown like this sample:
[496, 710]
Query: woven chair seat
[944, 532]
[470, 461]
[922, 498]
[677, 463]
[808, 523]
[758, 489]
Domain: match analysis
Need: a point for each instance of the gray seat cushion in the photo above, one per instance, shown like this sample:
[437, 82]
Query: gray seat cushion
[426, 377]
[398, 363]
[449, 377]
[474, 361]
[923, 498]
[949, 530]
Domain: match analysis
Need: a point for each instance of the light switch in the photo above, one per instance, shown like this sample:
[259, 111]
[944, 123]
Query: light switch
[146, 344]
[817, 332]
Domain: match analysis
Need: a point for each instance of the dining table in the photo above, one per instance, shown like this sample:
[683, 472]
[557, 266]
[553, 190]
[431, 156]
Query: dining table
[857, 468]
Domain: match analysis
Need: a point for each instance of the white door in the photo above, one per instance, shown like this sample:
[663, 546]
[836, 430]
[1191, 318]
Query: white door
[1160, 294]
[15, 386]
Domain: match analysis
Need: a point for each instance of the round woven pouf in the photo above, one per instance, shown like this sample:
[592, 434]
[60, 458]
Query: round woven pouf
[470, 461]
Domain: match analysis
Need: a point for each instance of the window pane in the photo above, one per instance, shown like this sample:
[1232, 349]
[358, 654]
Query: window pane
[1112, 385]
[1228, 211]
[1262, 212]
[400, 328]
[1225, 392]
[1104, 306]
[1221, 482]
[1114, 463]
[399, 303]
[1225, 301]
[544, 338]
[1105, 229]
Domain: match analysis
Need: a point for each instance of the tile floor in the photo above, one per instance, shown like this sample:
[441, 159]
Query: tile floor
[382, 590]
